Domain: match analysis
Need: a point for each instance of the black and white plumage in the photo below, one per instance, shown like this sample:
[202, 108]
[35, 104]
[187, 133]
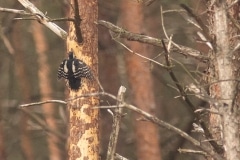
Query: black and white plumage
[73, 70]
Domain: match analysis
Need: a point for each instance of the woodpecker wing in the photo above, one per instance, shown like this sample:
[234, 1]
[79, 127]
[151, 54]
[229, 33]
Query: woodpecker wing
[81, 70]
[63, 70]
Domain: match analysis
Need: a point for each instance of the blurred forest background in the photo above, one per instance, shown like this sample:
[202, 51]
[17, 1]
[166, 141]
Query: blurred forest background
[25, 44]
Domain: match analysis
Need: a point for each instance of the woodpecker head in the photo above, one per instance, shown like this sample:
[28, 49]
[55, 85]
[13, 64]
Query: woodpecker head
[70, 55]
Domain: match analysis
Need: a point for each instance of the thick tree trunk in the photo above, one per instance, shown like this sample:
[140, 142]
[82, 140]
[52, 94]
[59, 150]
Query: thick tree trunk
[226, 126]
[139, 76]
[84, 125]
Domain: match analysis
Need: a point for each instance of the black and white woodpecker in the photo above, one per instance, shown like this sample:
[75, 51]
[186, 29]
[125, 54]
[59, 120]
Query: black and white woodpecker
[73, 70]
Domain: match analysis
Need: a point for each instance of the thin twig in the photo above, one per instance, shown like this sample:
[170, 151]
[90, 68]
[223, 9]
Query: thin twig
[175, 80]
[42, 102]
[199, 21]
[149, 59]
[192, 151]
[119, 157]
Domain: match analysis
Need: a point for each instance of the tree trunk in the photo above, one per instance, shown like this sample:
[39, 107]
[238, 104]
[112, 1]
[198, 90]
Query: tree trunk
[46, 88]
[223, 71]
[83, 119]
[139, 76]
[24, 85]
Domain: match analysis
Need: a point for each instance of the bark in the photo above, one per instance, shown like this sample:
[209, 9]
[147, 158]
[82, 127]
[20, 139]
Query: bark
[139, 76]
[46, 88]
[226, 126]
[83, 120]
[24, 85]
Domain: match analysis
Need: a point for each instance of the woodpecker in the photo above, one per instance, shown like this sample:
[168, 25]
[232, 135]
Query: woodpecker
[73, 70]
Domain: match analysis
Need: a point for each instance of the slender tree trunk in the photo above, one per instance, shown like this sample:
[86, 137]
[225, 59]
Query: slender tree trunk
[46, 88]
[83, 119]
[224, 66]
[139, 75]
[24, 85]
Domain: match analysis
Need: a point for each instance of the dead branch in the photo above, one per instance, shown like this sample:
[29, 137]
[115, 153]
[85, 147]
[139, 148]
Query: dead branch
[175, 80]
[42, 102]
[158, 122]
[22, 12]
[198, 20]
[185, 97]
[43, 19]
[119, 157]
[191, 151]
[122, 33]
[149, 117]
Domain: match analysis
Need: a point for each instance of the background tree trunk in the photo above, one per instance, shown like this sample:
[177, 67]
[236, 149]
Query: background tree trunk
[46, 88]
[141, 83]
[24, 84]
[83, 119]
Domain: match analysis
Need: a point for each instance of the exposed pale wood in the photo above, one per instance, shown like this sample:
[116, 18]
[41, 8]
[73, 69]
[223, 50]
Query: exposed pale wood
[83, 119]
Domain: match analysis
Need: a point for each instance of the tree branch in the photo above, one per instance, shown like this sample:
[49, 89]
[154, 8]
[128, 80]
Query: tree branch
[151, 118]
[42, 102]
[121, 33]
[43, 19]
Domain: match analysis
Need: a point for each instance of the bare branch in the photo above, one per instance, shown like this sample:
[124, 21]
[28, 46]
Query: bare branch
[6, 42]
[192, 151]
[22, 12]
[158, 122]
[199, 21]
[43, 19]
[121, 33]
[119, 157]
[43, 102]
[147, 116]
[207, 132]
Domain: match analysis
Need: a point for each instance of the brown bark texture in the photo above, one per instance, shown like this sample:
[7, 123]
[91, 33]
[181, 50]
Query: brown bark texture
[141, 83]
[223, 71]
[46, 88]
[24, 85]
[83, 120]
